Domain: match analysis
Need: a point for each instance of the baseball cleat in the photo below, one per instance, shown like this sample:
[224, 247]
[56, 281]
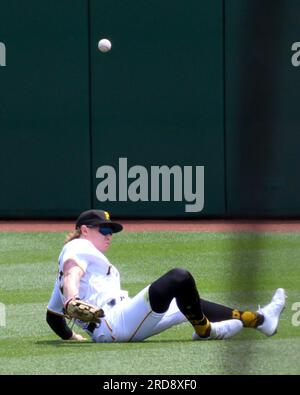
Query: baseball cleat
[271, 313]
[221, 330]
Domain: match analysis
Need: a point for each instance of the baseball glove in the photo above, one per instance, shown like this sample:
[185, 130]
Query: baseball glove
[81, 310]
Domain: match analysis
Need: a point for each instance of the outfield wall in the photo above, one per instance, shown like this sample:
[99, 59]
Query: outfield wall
[193, 113]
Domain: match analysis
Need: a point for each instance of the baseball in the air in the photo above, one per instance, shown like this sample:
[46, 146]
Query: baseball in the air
[104, 45]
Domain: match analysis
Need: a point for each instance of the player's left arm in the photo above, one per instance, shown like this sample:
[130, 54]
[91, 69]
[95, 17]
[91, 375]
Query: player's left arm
[59, 326]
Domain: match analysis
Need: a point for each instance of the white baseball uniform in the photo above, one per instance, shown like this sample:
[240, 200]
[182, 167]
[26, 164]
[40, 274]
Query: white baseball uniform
[126, 319]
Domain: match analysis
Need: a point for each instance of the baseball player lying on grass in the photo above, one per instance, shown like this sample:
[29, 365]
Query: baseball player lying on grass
[88, 290]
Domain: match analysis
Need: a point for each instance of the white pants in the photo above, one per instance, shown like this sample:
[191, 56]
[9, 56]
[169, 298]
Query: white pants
[133, 320]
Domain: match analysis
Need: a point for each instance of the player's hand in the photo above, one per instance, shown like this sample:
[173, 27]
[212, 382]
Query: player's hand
[77, 337]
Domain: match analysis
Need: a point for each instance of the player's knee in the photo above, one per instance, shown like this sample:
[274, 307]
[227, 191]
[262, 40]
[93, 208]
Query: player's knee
[181, 277]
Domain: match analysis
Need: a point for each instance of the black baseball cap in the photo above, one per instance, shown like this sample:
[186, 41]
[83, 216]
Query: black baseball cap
[97, 217]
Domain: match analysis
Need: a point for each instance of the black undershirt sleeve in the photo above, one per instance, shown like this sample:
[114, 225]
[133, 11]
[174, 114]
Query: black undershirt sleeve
[59, 325]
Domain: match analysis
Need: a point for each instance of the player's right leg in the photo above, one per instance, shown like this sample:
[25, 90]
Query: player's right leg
[180, 284]
[219, 330]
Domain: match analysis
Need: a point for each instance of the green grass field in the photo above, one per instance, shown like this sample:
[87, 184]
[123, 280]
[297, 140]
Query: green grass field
[238, 269]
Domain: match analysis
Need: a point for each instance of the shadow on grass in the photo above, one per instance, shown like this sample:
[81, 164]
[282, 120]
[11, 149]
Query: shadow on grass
[167, 341]
[64, 343]
[87, 343]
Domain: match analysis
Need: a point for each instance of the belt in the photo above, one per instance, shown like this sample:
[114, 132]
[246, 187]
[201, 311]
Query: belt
[91, 327]
[111, 303]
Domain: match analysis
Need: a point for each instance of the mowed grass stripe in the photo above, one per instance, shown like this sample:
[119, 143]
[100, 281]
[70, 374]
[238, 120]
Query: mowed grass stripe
[24, 320]
[28, 275]
[16, 296]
